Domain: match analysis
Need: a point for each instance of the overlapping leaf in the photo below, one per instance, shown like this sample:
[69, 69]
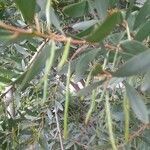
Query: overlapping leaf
[76, 9]
[27, 8]
[143, 14]
[102, 30]
[137, 104]
[136, 65]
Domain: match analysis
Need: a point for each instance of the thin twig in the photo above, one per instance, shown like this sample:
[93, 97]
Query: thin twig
[58, 128]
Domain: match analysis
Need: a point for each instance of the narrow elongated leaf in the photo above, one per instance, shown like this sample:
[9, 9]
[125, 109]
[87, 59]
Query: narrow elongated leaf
[116, 37]
[102, 7]
[146, 82]
[143, 14]
[84, 25]
[137, 104]
[133, 47]
[55, 20]
[136, 65]
[27, 8]
[143, 32]
[101, 31]
[86, 32]
[72, 67]
[36, 67]
[77, 9]
[83, 63]
[22, 50]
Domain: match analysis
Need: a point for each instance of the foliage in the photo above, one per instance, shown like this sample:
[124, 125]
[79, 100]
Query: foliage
[74, 74]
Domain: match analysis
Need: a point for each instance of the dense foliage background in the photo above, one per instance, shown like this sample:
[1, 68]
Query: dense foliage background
[74, 74]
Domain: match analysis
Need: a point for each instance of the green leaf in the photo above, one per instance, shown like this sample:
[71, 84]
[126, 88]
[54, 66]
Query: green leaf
[4, 80]
[132, 47]
[76, 10]
[86, 31]
[83, 63]
[102, 7]
[36, 67]
[143, 14]
[5, 35]
[27, 8]
[116, 37]
[131, 19]
[137, 104]
[73, 64]
[101, 31]
[7, 73]
[88, 89]
[146, 82]
[143, 32]
[22, 50]
[136, 65]
[96, 70]
[84, 25]
[55, 20]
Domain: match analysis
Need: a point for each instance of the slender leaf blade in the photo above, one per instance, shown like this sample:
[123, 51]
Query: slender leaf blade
[143, 14]
[146, 82]
[76, 9]
[137, 104]
[27, 8]
[102, 30]
[136, 65]
[143, 32]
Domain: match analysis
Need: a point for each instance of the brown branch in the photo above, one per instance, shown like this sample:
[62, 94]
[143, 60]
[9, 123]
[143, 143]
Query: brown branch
[31, 32]
[56, 37]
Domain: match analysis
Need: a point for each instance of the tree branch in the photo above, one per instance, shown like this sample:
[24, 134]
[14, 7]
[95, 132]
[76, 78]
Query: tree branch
[31, 32]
